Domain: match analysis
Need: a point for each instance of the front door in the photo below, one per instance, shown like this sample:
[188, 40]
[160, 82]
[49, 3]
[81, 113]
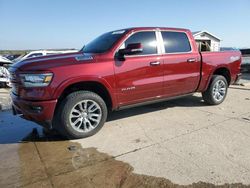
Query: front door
[140, 77]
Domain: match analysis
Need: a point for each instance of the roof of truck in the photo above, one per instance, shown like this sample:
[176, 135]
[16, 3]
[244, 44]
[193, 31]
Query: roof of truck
[160, 28]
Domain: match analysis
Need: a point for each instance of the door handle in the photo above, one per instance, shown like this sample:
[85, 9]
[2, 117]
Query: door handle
[155, 63]
[191, 60]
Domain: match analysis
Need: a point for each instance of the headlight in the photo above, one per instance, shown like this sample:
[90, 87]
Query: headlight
[36, 80]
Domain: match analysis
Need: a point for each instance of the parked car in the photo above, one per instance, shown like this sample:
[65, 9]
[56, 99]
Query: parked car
[39, 53]
[245, 66]
[4, 73]
[228, 49]
[11, 57]
[73, 93]
[245, 51]
[4, 60]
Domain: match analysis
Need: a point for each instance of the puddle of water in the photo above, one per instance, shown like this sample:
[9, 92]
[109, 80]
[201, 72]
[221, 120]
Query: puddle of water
[30, 158]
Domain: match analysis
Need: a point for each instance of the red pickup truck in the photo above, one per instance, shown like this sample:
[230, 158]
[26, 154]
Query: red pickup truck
[73, 93]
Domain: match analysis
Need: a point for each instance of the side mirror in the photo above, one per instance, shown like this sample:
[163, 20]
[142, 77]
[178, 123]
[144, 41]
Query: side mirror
[131, 49]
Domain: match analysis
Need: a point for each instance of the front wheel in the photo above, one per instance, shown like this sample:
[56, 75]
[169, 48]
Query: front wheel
[81, 114]
[217, 90]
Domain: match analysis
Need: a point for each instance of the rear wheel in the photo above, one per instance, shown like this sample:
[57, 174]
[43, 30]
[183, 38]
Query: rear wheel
[217, 90]
[81, 114]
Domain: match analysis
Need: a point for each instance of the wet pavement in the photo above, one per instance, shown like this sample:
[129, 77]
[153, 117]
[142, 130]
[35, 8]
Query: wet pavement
[180, 143]
[31, 157]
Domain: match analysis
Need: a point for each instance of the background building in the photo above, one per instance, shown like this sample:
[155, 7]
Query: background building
[207, 41]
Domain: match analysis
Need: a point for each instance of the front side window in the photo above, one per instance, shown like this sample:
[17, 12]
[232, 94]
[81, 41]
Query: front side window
[175, 42]
[147, 39]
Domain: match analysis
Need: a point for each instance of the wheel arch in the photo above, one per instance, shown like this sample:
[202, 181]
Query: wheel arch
[223, 71]
[98, 86]
[220, 70]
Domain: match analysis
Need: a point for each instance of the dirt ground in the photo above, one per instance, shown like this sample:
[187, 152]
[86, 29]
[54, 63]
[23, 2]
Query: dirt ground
[180, 143]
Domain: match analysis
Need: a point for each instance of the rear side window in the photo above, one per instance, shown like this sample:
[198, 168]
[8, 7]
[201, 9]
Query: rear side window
[175, 42]
[147, 39]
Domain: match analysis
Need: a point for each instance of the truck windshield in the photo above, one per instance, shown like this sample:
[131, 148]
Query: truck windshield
[104, 42]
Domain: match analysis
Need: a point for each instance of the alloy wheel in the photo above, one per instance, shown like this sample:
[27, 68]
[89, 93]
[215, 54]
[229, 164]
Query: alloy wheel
[219, 90]
[85, 116]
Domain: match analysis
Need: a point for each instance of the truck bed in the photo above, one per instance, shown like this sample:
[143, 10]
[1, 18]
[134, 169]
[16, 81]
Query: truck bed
[211, 61]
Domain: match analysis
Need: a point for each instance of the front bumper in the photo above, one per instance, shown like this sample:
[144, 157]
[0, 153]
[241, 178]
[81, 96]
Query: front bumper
[41, 112]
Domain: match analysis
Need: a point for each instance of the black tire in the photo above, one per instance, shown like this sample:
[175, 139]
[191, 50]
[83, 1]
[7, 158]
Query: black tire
[208, 96]
[62, 121]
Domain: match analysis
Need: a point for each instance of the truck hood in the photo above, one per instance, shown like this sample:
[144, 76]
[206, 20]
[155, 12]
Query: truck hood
[50, 61]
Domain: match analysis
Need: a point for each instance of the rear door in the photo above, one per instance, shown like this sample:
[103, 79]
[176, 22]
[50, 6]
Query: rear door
[181, 64]
[140, 77]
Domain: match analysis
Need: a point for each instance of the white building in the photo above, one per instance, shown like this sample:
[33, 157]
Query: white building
[207, 41]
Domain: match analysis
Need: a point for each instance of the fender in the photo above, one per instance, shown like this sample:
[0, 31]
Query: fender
[91, 78]
[215, 68]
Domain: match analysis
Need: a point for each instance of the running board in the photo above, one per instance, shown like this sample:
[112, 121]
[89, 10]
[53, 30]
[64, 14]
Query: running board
[151, 102]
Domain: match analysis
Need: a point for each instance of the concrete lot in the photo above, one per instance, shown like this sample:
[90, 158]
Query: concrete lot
[178, 142]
